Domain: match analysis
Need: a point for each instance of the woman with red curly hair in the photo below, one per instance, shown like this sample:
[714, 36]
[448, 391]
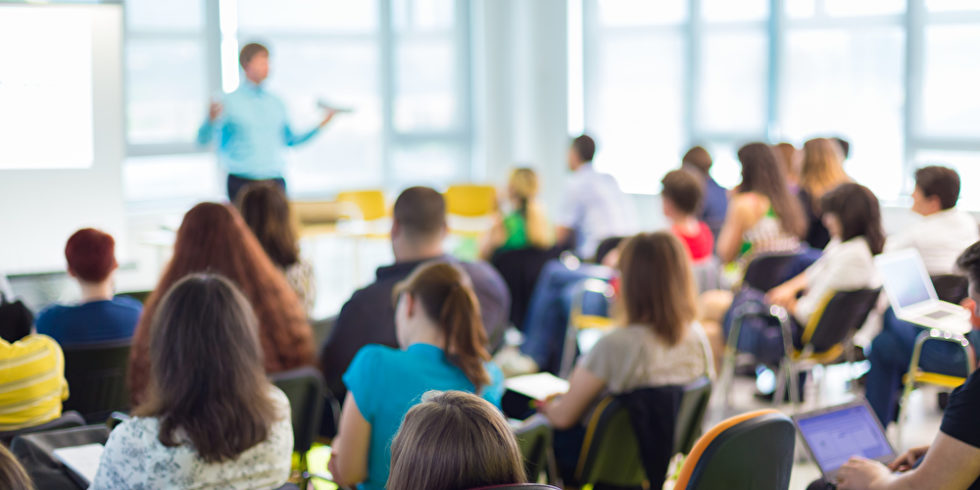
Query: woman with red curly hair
[213, 238]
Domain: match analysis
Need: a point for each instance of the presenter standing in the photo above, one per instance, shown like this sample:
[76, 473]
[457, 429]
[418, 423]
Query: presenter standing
[251, 127]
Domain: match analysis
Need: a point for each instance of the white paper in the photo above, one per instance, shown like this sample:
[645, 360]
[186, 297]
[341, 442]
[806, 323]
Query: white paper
[83, 460]
[537, 386]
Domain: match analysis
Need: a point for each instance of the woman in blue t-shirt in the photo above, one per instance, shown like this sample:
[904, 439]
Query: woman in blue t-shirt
[438, 325]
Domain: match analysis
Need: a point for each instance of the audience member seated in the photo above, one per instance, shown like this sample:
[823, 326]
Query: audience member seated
[99, 317]
[944, 231]
[593, 207]
[953, 459]
[660, 344]
[763, 216]
[213, 238]
[265, 209]
[16, 319]
[789, 158]
[437, 319]
[210, 417]
[941, 235]
[525, 224]
[698, 161]
[417, 234]
[32, 370]
[12, 474]
[822, 170]
[454, 440]
[681, 198]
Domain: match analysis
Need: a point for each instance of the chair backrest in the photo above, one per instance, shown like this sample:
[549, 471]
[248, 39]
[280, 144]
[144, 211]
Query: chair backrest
[690, 415]
[520, 269]
[767, 271]
[321, 330]
[96, 375]
[67, 420]
[749, 451]
[370, 203]
[534, 438]
[36, 453]
[610, 453]
[841, 316]
[519, 486]
[951, 288]
[305, 389]
[470, 200]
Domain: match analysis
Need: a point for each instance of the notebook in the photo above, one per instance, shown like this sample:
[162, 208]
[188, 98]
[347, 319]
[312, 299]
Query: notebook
[538, 386]
[82, 461]
[833, 434]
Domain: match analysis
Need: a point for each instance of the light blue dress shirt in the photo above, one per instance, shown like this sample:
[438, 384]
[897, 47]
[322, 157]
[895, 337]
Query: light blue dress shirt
[387, 382]
[251, 132]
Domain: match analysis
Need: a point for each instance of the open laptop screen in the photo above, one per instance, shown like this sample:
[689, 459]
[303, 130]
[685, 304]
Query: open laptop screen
[836, 434]
[904, 280]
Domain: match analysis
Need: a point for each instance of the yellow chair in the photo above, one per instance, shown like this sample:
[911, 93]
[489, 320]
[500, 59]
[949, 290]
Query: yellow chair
[471, 200]
[315, 217]
[370, 204]
[916, 376]
[579, 323]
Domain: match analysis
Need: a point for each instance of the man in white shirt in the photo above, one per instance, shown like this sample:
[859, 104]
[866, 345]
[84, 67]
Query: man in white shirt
[593, 207]
[944, 232]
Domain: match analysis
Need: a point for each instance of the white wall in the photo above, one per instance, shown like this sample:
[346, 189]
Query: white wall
[39, 209]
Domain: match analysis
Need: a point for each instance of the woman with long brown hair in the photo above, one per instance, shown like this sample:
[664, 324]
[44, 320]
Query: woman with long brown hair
[454, 440]
[213, 238]
[265, 209]
[211, 418]
[437, 320]
[762, 216]
[526, 224]
[660, 343]
[822, 170]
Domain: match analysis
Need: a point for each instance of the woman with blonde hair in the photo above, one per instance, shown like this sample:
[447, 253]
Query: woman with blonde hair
[822, 170]
[660, 344]
[526, 225]
[443, 347]
[454, 440]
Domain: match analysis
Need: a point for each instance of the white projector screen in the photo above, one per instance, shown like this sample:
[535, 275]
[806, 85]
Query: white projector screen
[45, 89]
[62, 132]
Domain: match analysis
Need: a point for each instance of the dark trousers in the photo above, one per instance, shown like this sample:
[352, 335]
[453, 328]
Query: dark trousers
[237, 183]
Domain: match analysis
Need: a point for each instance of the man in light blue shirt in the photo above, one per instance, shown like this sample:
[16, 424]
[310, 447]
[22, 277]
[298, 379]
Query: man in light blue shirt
[251, 127]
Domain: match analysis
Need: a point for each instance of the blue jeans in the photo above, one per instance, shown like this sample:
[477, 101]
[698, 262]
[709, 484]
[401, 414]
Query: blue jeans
[547, 314]
[890, 355]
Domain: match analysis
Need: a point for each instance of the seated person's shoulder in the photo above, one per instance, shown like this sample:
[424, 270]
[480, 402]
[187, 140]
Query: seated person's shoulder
[128, 303]
[31, 344]
[373, 356]
[960, 420]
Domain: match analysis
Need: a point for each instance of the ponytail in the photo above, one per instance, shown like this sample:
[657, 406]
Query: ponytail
[444, 293]
[465, 337]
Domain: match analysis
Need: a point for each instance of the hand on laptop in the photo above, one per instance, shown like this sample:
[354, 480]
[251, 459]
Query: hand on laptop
[860, 473]
[908, 460]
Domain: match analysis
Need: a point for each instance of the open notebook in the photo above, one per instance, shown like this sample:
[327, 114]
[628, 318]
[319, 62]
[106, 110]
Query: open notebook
[537, 386]
[82, 461]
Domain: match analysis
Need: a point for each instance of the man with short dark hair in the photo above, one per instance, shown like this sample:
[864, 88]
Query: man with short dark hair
[593, 208]
[697, 160]
[417, 234]
[944, 231]
[251, 127]
[100, 316]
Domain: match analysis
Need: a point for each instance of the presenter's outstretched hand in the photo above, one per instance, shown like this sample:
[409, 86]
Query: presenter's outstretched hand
[327, 117]
[214, 111]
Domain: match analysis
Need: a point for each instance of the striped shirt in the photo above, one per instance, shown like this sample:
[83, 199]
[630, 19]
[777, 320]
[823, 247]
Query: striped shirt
[32, 382]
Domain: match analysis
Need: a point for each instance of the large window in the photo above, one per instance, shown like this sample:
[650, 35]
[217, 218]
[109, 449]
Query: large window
[895, 77]
[400, 65]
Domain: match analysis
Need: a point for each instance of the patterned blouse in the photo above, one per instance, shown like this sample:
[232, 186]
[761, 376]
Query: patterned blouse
[135, 458]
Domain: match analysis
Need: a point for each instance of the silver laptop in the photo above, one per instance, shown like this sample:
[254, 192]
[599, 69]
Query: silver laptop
[912, 295]
[833, 434]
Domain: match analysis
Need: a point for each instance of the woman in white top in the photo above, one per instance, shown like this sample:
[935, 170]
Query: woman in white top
[211, 418]
[853, 218]
[661, 344]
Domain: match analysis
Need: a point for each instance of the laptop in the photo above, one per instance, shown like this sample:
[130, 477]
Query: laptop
[833, 434]
[912, 295]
